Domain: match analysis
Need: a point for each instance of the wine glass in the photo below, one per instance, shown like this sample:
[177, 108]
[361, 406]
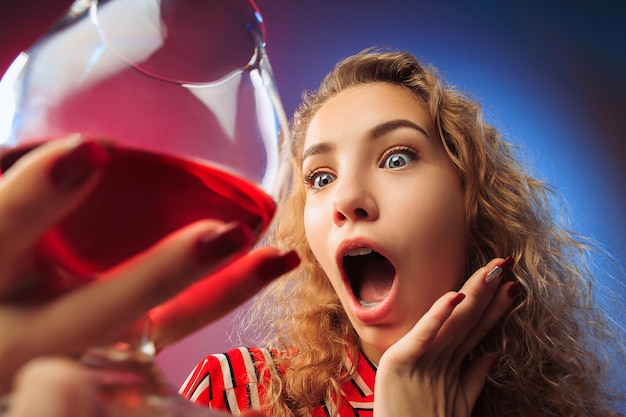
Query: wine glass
[184, 93]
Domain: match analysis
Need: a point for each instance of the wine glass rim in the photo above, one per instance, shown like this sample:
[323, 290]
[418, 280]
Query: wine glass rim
[255, 27]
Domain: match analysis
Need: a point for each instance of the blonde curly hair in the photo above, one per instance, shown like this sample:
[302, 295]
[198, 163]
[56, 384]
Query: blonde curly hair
[551, 342]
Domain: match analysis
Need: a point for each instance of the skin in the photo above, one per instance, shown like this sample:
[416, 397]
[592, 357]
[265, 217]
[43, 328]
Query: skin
[423, 330]
[169, 275]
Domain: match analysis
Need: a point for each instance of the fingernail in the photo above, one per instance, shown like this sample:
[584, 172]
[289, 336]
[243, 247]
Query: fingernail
[514, 289]
[75, 167]
[275, 267]
[457, 299]
[230, 240]
[496, 272]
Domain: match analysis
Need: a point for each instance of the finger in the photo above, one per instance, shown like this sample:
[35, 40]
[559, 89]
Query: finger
[211, 298]
[479, 289]
[112, 303]
[488, 300]
[496, 309]
[53, 387]
[38, 190]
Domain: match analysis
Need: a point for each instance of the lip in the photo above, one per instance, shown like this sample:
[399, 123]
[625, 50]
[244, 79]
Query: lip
[378, 313]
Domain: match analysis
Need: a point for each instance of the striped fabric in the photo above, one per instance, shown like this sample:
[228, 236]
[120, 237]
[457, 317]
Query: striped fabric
[232, 382]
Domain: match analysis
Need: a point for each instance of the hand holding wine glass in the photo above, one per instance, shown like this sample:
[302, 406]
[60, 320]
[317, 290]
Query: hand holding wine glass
[32, 199]
[177, 97]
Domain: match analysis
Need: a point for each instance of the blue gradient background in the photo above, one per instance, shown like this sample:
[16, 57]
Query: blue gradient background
[549, 73]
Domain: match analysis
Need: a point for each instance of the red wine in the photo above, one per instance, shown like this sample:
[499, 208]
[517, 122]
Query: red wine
[141, 198]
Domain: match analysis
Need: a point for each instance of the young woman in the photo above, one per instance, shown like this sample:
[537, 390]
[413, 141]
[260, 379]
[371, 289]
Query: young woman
[434, 280]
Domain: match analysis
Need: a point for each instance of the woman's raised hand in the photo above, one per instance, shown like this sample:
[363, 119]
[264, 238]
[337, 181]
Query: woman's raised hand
[426, 372]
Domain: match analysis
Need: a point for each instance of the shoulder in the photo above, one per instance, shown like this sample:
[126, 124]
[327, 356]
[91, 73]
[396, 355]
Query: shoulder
[228, 380]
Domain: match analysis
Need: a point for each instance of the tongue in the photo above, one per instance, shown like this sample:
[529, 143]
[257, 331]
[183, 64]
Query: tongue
[376, 281]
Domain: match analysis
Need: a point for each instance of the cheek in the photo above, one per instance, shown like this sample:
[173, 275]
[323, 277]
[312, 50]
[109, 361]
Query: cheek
[448, 228]
[430, 200]
[436, 219]
[447, 202]
[448, 216]
[314, 228]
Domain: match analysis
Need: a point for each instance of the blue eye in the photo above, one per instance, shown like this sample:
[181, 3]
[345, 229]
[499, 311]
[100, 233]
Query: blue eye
[318, 180]
[398, 158]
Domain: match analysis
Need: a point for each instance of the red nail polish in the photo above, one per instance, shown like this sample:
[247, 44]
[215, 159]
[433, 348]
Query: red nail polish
[75, 167]
[507, 264]
[217, 247]
[275, 267]
[457, 299]
[514, 289]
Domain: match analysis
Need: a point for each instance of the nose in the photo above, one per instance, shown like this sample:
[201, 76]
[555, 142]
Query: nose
[353, 202]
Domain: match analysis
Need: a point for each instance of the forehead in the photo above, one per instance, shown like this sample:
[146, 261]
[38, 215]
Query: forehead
[359, 108]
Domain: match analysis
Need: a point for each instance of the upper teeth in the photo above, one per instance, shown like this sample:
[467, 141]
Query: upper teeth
[359, 251]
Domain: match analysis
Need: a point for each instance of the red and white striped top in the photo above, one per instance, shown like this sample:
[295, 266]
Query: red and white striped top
[231, 382]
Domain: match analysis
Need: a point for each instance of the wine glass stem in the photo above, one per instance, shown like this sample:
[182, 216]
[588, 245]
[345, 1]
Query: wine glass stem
[129, 380]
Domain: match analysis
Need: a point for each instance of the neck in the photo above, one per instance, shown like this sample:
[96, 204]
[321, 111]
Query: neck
[372, 353]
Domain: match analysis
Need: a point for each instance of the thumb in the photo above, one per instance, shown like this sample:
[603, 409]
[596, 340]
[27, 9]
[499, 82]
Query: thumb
[54, 387]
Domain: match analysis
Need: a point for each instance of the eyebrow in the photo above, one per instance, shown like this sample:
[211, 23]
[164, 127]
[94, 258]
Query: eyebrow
[317, 149]
[391, 125]
[374, 133]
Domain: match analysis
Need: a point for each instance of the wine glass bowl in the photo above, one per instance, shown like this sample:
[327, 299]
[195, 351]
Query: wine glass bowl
[183, 92]
[182, 95]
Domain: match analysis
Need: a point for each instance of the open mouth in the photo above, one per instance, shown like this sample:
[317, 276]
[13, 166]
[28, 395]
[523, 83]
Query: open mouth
[370, 275]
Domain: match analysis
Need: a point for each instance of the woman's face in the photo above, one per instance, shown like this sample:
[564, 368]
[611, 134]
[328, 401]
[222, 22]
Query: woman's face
[384, 212]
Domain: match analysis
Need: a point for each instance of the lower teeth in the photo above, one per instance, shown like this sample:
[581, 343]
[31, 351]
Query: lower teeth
[367, 304]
